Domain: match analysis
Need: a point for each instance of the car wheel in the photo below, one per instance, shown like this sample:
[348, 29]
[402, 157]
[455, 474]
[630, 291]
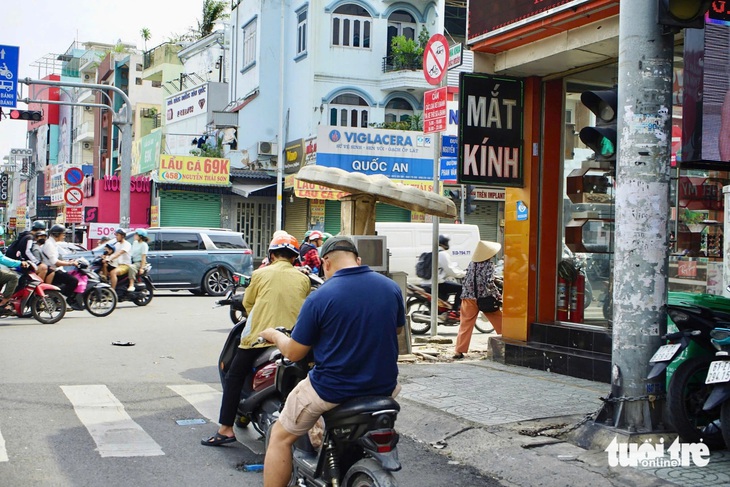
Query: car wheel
[215, 283]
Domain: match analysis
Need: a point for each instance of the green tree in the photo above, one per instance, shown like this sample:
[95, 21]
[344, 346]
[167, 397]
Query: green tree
[213, 11]
[146, 34]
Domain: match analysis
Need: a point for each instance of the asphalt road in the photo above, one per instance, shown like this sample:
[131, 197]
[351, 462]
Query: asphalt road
[51, 374]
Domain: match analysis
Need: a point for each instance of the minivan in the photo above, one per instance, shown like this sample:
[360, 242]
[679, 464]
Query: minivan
[406, 241]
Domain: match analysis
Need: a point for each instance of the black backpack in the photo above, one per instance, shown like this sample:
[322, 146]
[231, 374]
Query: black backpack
[15, 249]
[423, 266]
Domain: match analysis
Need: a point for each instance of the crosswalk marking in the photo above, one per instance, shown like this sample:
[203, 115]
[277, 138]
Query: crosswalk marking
[3, 451]
[113, 430]
[208, 402]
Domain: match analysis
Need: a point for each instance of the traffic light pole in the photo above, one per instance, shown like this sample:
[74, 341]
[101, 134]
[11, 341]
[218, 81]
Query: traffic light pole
[125, 126]
[641, 220]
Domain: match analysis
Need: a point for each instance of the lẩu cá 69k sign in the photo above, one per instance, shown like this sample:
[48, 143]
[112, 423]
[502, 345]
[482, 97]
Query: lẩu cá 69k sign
[490, 129]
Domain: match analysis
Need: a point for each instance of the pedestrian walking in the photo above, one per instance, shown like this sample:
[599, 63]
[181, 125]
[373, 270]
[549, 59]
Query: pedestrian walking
[479, 294]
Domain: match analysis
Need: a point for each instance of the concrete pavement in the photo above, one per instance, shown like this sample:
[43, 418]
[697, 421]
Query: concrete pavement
[485, 414]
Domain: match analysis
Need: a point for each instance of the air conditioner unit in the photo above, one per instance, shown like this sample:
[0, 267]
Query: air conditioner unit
[88, 109]
[87, 145]
[267, 148]
[87, 77]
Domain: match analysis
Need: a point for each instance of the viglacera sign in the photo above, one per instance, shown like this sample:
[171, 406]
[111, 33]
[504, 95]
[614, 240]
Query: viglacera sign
[194, 170]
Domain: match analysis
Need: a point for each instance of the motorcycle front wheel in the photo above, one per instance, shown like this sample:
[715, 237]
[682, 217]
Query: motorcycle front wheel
[419, 313]
[48, 309]
[488, 328]
[101, 302]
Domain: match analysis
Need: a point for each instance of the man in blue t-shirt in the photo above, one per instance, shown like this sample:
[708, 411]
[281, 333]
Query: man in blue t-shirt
[351, 324]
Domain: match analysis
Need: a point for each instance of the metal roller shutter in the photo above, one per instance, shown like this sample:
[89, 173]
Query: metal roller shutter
[296, 217]
[486, 217]
[390, 213]
[332, 222]
[187, 209]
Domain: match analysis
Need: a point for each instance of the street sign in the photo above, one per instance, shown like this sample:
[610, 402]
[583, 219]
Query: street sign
[435, 59]
[73, 196]
[434, 111]
[74, 215]
[9, 75]
[455, 55]
[73, 176]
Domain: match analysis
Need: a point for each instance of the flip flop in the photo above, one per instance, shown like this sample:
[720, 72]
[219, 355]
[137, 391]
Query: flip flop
[217, 440]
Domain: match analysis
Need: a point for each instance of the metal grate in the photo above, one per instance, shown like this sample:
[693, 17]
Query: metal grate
[256, 220]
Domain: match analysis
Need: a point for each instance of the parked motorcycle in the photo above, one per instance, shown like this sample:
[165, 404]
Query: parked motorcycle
[45, 301]
[418, 308]
[239, 282]
[97, 297]
[143, 288]
[718, 377]
[359, 442]
[687, 392]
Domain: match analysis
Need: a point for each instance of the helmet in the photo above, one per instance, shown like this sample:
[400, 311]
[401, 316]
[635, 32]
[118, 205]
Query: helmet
[41, 233]
[121, 232]
[285, 242]
[444, 241]
[38, 225]
[325, 236]
[57, 229]
[315, 235]
[307, 234]
[83, 263]
[141, 232]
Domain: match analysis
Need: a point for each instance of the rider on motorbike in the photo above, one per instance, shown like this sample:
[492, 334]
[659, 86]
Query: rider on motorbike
[448, 270]
[9, 279]
[273, 297]
[350, 324]
[56, 275]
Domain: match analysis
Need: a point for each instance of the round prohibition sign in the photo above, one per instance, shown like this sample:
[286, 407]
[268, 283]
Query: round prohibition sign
[435, 59]
[73, 196]
[74, 176]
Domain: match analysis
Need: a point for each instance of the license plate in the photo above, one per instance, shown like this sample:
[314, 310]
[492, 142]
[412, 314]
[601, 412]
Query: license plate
[719, 372]
[665, 353]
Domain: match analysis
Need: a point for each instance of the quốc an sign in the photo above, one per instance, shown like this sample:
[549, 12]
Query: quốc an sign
[490, 129]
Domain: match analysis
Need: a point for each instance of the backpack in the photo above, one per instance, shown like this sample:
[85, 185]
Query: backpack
[423, 266]
[15, 249]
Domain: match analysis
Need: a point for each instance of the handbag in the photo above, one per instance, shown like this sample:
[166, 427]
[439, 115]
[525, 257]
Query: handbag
[488, 304]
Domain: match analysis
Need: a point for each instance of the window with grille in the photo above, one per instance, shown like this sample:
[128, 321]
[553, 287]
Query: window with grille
[249, 45]
[351, 26]
[301, 32]
[349, 111]
[398, 110]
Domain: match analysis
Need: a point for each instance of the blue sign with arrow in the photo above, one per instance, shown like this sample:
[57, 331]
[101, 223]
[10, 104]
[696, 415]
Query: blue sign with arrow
[9, 75]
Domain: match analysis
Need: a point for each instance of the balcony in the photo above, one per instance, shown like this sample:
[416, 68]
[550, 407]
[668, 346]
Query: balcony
[84, 132]
[157, 58]
[403, 74]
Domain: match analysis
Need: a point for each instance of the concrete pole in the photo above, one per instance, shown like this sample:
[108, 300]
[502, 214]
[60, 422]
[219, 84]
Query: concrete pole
[642, 211]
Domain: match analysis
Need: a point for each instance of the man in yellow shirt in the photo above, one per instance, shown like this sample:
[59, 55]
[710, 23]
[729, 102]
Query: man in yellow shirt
[273, 298]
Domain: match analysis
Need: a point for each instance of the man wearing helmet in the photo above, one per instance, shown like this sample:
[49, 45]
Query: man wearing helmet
[122, 255]
[273, 298]
[21, 248]
[56, 275]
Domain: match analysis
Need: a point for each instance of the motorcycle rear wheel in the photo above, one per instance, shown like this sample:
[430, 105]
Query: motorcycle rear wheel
[48, 309]
[146, 294]
[101, 302]
[686, 395]
[484, 329]
[419, 313]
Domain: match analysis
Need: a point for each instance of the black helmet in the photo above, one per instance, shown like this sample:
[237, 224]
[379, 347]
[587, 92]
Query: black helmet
[444, 241]
[121, 232]
[38, 225]
[57, 229]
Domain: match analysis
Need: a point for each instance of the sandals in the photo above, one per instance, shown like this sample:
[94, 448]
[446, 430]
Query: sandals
[217, 440]
[458, 356]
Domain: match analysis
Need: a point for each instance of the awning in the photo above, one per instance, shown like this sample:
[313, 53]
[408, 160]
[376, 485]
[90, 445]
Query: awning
[246, 189]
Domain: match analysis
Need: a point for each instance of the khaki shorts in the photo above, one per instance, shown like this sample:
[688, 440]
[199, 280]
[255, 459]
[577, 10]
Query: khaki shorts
[122, 269]
[303, 408]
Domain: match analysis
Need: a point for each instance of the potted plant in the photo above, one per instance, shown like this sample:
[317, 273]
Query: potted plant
[693, 220]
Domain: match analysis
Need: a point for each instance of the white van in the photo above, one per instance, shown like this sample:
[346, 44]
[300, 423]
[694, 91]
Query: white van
[406, 241]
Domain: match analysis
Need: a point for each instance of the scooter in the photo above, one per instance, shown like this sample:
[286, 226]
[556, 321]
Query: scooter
[97, 297]
[359, 442]
[45, 301]
[718, 377]
[143, 288]
[418, 308]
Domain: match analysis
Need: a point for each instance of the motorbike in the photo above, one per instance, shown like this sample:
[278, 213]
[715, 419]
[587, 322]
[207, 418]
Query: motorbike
[418, 308]
[143, 288]
[43, 301]
[718, 377]
[358, 446]
[687, 392]
[239, 282]
[97, 297]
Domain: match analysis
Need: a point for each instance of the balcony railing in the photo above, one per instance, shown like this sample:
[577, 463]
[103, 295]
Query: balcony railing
[402, 62]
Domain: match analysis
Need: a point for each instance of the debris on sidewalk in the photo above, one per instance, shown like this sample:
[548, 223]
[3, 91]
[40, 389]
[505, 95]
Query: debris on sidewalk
[430, 349]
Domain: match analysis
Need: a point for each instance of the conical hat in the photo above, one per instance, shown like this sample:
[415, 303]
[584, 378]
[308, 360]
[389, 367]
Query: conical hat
[485, 250]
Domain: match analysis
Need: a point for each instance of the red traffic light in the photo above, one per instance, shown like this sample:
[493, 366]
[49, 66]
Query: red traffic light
[30, 115]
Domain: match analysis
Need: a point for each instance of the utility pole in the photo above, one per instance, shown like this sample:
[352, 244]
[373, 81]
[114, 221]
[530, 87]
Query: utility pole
[642, 212]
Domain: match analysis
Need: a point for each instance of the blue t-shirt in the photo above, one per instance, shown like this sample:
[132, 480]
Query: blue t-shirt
[351, 324]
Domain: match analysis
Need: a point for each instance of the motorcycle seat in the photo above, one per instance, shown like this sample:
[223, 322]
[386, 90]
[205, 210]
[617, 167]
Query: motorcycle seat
[360, 405]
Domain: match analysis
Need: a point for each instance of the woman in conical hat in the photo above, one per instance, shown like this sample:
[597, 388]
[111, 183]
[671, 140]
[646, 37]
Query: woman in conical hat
[479, 294]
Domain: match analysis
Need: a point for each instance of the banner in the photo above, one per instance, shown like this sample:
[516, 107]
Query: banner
[204, 171]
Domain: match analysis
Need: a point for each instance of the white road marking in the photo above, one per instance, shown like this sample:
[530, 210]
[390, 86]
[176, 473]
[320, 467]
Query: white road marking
[207, 401]
[113, 430]
[3, 451]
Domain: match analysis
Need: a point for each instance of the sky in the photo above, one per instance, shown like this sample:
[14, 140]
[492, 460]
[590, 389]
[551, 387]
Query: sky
[40, 27]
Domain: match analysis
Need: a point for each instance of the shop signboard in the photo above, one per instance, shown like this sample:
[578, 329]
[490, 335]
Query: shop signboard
[396, 154]
[149, 153]
[490, 130]
[186, 104]
[203, 171]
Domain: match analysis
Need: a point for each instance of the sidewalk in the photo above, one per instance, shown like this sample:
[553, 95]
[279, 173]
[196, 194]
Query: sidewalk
[481, 413]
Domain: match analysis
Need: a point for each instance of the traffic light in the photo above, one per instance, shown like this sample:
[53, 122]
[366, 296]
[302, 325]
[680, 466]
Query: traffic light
[683, 14]
[455, 196]
[601, 138]
[469, 205]
[31, 115]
